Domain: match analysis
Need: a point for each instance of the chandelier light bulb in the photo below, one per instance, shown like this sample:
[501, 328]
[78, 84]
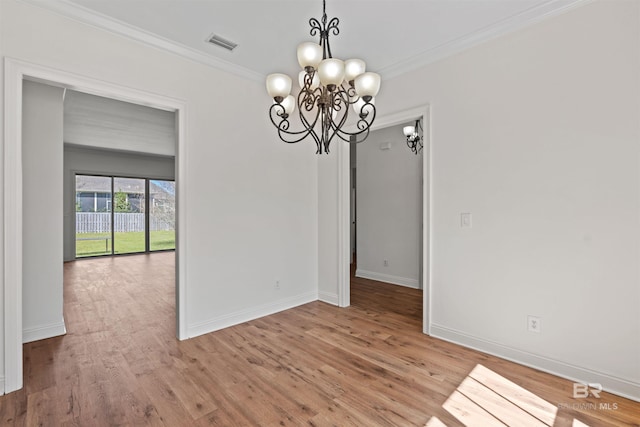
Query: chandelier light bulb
[309, 54]
[289, 104]
[278, 86]
[331, 71]
[353, 68]
[367, 85]
[315, 80]
[409, 130]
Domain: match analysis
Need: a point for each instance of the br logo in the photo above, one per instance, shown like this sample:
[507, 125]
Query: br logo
[582, 391]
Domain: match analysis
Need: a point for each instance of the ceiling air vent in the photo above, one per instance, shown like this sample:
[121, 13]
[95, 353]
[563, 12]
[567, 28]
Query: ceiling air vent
[222, 42]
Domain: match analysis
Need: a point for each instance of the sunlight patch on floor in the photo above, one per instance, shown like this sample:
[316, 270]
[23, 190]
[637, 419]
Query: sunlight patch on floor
[485, 398]
[435, 422]
[577, 423]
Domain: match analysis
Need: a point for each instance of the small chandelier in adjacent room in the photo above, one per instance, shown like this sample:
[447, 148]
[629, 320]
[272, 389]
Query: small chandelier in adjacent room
[413, 137]
[329, 86]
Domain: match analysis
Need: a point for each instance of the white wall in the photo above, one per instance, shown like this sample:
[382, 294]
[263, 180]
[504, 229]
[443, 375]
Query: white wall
[328, 227]
[2, 336]
[389, 208]
[537, 135]
[251, 199]
[87, 160]
[108, 123]
[42, 206]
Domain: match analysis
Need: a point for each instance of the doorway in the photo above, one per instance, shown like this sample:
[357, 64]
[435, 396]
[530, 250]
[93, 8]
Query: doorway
[344, 219]
[386, 186]
[16, 72]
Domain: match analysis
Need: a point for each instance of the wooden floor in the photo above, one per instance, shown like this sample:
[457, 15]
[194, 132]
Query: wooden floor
[317, 365]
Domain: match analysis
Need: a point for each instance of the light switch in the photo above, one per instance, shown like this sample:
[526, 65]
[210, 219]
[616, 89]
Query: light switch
[465, 220]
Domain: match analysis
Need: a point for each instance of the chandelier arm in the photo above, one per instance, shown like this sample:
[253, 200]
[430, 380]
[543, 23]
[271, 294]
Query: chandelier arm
[316, 28]
[338, 101]
[415, 142]
[341, 97]
[419, 139]
[308, 99]
[277, 110]
[330, 128]
[353, 96]
[363, 125]
[347, 136]
[333, 26]
[311, 127]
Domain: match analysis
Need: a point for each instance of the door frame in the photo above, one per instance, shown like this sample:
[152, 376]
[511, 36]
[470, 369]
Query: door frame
[344, 221]
[15, 72]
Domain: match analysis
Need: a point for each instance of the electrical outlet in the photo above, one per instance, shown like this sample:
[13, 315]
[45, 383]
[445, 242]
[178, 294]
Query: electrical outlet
[277, 285]
[386, 263]
[534, 324]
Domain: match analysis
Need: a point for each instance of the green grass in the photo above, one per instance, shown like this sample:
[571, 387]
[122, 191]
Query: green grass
[125, 243]
[162, 240]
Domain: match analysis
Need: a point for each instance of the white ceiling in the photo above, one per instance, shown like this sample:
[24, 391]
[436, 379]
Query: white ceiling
[392, 36]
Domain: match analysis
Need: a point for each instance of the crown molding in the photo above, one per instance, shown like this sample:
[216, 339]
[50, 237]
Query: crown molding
[89, 17]
[524, 19]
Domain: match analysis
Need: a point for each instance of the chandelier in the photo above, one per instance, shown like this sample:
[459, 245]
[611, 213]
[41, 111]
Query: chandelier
[414, 142]
[329, 86]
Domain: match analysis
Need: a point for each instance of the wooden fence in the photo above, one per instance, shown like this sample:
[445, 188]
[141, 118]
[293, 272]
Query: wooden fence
[100, 222]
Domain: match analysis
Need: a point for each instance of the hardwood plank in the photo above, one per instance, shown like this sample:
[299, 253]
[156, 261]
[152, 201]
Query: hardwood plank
[13, 408]
[165, 402]
[190, 395]
[469, 413]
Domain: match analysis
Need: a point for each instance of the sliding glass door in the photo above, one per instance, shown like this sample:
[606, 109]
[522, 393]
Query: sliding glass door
[93, 216]
[128, 215]
[116, 215]
[162, 215]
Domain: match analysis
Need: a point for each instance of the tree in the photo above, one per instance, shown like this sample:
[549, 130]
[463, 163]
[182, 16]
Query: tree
[121, 202]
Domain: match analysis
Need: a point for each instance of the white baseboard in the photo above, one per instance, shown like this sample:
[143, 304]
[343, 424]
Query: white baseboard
[387, 278]
[242, 316]
[329, 298]
[611, 384]
[42, 332]
[2, 386]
